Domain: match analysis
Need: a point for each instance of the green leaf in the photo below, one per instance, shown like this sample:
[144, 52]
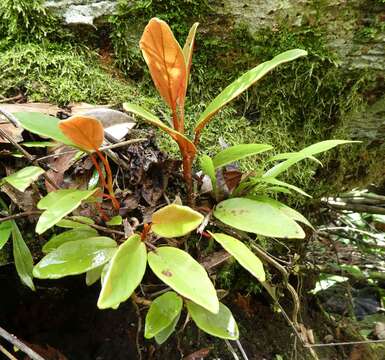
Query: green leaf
[278, 189]
[23, 178]
[222, 324]
[59, 204]
[23, 257]
[258, 217]
[188, 49]
[243, 83]
[38, 144]
[5, 232]
[242, 254]
[124, 273]
[293, 214]
[43, 125]
[162, 312]
[67, 236]
[175, 220]
[186, 276]
[115, 220]
[93, 275]
[208, 169]
[274, 181]
[238, 152]
[307, 152]
[75, 257]
[153, 120]
[73, 222]
[163, 335]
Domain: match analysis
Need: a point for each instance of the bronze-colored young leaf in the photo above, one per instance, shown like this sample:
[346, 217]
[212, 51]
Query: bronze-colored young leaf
[165, 59]
[85, 132]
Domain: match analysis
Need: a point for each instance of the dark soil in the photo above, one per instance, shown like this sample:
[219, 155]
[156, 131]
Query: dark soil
[61, 321]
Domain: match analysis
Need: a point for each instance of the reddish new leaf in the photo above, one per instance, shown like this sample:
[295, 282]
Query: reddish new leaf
[84, 131]
[167, 65]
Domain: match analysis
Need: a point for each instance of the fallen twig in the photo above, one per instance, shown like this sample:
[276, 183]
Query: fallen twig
[20, 345]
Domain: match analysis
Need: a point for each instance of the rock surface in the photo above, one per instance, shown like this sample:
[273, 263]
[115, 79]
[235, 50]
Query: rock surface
[81, 11]
[355, 28]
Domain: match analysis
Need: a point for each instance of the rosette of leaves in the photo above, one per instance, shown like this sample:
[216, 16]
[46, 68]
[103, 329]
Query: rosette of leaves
[170, 67]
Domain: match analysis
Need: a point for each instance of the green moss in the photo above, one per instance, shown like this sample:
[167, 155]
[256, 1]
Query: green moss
[60, 74]
[125, 33]
[27, 20]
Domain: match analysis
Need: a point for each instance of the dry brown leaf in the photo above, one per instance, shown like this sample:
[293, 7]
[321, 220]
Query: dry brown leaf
[44, 108]
[12, 131]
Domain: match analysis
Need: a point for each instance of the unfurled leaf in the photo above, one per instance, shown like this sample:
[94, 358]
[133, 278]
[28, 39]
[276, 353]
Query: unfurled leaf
[293, 214]
[67, 236]
[258, 217]
[274, 181]
[38, 144]
[59, 204]
[76, 222]
[22, 257]
[75, 257]
[242, 254]
[175, 220]
[115, 220]
[307, 152]
[186, 276]
[23, 178]
[43, 125]
[182, 141]
[162, 313]
[243, 83]
[124, 274]
[86, 132]
[208, 168]
[163, 335]
[188, 49]
[222, 324]
[238, 152]
[5, 232]
[93, 275]
[164, 58]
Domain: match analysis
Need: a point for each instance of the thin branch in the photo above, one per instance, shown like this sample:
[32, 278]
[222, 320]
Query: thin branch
[7, 353]
[104, 148]
[345, 343]
[139, 329]
[231, 349]
[241, 349]
[20, 345]
[12, 119]
[20, 215]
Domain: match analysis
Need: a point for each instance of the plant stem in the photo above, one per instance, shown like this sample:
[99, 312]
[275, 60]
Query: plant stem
[99, 170]
[187, 175]
[115, 202]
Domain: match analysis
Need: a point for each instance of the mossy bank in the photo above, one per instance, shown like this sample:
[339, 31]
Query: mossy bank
[298, 104]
